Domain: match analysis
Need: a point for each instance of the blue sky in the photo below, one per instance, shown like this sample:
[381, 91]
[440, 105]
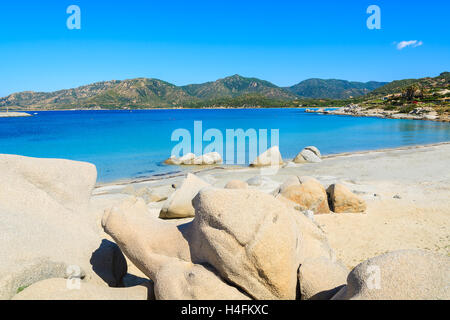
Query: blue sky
[196, 41]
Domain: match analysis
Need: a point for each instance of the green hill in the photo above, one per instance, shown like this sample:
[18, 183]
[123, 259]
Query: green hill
[333, 88]
[235, 86]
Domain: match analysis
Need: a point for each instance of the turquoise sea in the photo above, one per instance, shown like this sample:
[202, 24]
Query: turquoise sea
[133, 144]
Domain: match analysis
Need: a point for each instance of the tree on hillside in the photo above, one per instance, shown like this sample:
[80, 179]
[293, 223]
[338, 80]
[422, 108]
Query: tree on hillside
[411, 92]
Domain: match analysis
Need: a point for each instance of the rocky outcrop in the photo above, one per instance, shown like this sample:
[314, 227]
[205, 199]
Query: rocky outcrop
[271, 157]
[310, 195]
[243, 241]
[190, 159]
[45, 222]
[399, 275]
[179, 204]
[342, 200]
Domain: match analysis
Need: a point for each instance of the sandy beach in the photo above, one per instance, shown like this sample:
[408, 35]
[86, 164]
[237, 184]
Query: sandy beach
[407, 191]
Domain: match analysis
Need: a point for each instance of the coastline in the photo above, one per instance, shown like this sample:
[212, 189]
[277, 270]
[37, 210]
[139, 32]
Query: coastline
[14, 114]
[379, 113]
[184, 169]
[374, 113]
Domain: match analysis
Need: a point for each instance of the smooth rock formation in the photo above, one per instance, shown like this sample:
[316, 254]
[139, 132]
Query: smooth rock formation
[291, 181]
[45, 222]
[271, 157]
[321, 279]
[400, 275]
[187, 159]
[315, 150]
[310, 195]
[342, 200]
[253, 242]
[250, 239]
[208, 159]
[147, 241]
[186, 281]
[179, 204]
[190, 159]
[308, 155]
[62, 289]
[236, 184]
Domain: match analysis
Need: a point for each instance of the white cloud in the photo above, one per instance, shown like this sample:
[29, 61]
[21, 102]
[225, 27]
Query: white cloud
[412, 43]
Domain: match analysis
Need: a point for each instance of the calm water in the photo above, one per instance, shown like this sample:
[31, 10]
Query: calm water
[124, 144]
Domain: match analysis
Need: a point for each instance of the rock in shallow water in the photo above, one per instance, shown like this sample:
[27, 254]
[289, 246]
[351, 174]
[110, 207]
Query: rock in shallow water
[190, 159]
[271, 157]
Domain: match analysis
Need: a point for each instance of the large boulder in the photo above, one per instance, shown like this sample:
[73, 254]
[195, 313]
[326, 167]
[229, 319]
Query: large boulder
[186, 281]
[315, 150]
[251, 239]
[179, 204]
[400, 275]
[147, 241]
[162, 251]
[45, 221]
[311, 195]
[321, 279]
[307, 156]
[58, 289]
[342, 200]
[271, 157]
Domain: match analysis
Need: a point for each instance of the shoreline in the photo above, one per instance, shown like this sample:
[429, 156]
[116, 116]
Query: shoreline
[14, 114]
[204, 169]
[318, 110]
[379, 114]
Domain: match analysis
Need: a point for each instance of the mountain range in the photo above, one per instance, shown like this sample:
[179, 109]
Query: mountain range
[154, 93]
